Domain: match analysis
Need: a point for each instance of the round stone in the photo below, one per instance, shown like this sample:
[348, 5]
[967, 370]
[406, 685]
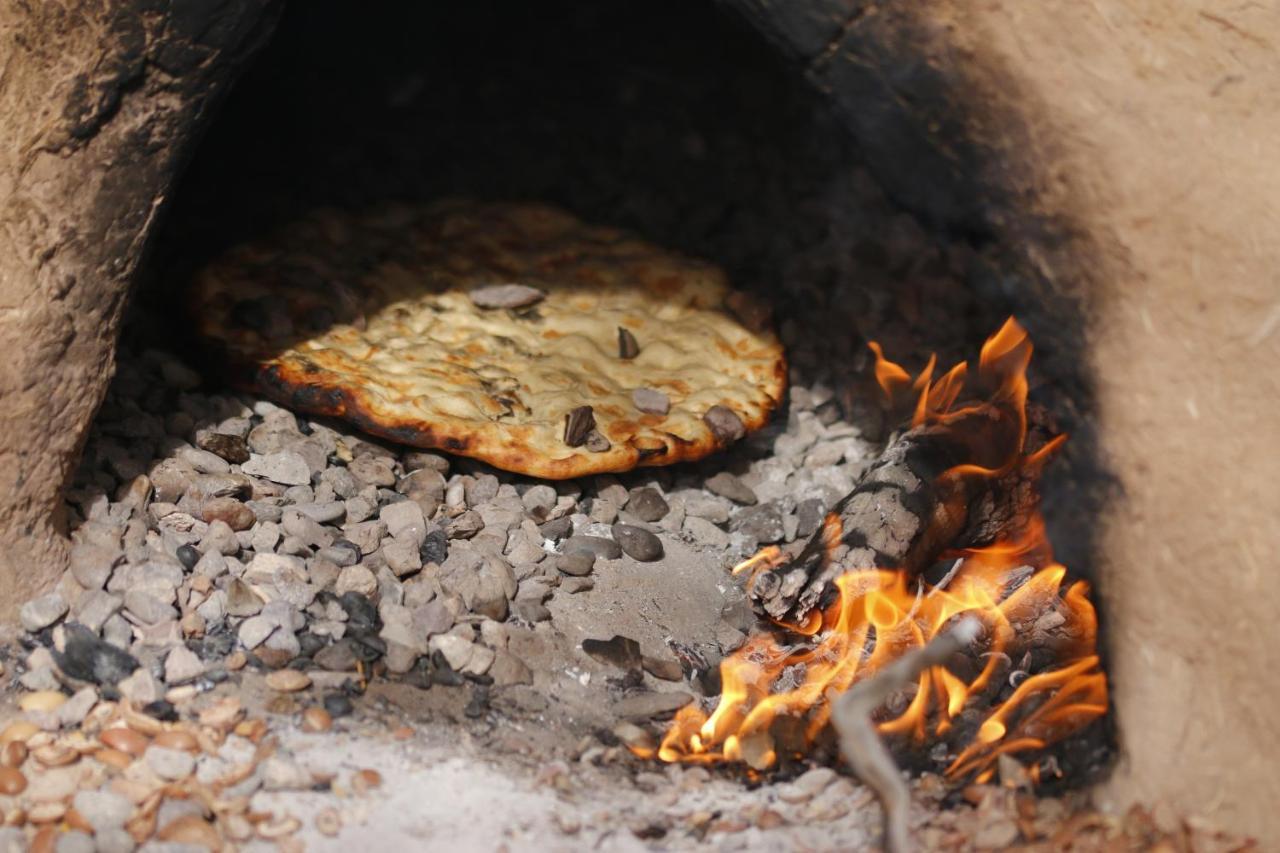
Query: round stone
[637, 543]
[647, 505]
[288, 680]
[576, 563]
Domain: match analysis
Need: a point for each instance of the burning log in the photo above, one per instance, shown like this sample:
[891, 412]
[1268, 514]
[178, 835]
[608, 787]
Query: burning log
[860, 742]
[955, 477]
[1026, 676]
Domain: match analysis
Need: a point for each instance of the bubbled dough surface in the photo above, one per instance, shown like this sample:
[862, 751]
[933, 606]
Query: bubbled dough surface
[412, 358]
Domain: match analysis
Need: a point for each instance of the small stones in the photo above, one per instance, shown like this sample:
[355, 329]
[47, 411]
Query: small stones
[505, 296]
[465, 525]
[86, 657]
[39, 613]
[705, 533]
[724, 424]
[173, 765]
[125, 740]
[628, 346]
[12, 782]
[647, 504]
[328, 822]
[578, 424]
[316, 719]
[763, 523]
[638, 543]
[728, 486]
[288, 680]
[182, 665]
[356, 579]
[284, 466]
[232, 448]
[641, 706]
[576, 563]
[622, 652]
[602, 548]
[651, 401]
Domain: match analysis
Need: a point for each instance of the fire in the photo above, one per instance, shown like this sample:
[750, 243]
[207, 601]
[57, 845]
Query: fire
[777, 686]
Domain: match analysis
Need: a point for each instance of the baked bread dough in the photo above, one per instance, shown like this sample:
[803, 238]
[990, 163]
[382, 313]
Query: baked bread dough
[404, 321]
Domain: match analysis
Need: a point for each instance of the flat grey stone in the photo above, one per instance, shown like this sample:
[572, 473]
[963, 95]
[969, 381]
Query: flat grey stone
[642, 706]
[283, 466]
[598, 545]
[39, 613]
[728, 486]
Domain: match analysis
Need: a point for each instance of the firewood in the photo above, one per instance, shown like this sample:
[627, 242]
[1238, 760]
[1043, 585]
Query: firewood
[911, 505]
[861, 745]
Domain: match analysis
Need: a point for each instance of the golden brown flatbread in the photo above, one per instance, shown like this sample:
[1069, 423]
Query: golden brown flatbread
[487, 330]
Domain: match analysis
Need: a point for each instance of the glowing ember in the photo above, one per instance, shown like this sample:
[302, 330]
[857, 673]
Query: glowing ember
[776, 687]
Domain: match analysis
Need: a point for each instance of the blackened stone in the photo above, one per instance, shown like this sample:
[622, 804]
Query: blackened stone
[638, 543]
[350, 546]
[362, 616]
[368, 647]
[478, 705]
[310, 643]
[622, 652]
[435, 547]
[338, 705]
[809, 515]
[188, 556]
[90, 658]
[217, 642]
[442, 673]
[162, 710]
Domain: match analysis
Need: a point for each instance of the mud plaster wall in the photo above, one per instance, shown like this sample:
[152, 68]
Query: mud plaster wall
[1134, 142]
[1128, 153]
[99, 104]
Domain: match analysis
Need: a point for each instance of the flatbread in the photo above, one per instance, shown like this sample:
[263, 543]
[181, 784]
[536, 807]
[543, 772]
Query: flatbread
[373, 318]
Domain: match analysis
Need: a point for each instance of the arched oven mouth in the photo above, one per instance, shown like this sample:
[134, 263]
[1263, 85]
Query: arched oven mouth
[707, 613]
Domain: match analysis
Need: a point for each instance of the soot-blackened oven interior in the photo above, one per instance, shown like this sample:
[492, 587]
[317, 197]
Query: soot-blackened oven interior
[676, 121]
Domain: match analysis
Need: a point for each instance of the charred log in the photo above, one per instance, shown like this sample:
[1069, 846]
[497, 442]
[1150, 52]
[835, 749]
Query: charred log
[931, 490]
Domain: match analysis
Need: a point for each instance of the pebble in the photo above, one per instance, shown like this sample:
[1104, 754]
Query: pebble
[146, 608]
[638, 543]
[125, 740]
[651, 401]
[728, 486]
[641, 706]
[762, 523]
[505, 296]
[104, 810]
[12, 782]
[598, 546]
[647, 504]
[39, 613]
[288, 680]
[284, 466]
[724, 424]
[338, 705]
[182, 665]
[356, 579]
[316, 719]
[171, 764]
[576, 563]
[232, 448]
[705, 533]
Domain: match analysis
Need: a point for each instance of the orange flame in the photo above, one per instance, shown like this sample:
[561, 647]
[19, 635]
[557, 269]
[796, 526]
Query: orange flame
[778, 684]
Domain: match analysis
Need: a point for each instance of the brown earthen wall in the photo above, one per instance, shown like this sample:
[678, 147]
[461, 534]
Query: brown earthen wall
[1126, 152]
